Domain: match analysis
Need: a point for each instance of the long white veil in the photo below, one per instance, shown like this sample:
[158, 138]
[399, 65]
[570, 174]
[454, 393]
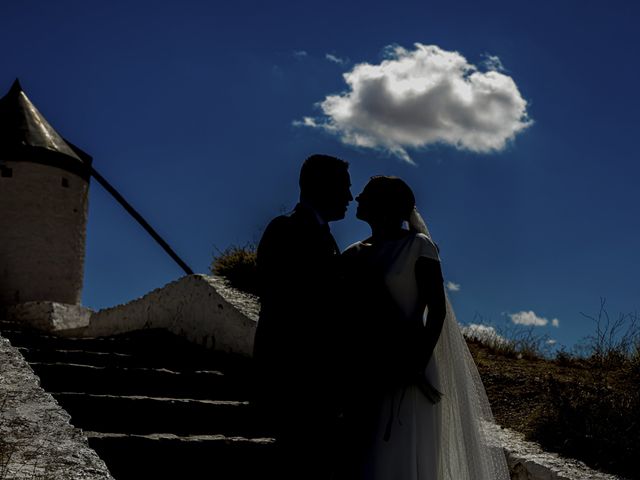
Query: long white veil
[470, 448]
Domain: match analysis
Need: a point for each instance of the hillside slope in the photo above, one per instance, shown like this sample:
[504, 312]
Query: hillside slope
[578, 408]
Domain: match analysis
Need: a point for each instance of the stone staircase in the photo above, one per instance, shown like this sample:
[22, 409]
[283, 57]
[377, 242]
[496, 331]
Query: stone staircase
[154, 405]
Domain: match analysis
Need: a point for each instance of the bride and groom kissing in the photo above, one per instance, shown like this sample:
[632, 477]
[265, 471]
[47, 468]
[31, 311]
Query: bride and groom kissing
[360, 365]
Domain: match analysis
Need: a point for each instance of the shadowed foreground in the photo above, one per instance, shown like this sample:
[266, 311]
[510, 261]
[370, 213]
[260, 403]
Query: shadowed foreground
[154, 405]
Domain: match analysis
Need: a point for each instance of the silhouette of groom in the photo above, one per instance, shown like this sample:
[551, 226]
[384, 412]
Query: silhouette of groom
[295, 344]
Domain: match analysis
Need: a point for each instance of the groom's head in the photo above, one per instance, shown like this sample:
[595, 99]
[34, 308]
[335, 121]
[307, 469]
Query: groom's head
[325, 185]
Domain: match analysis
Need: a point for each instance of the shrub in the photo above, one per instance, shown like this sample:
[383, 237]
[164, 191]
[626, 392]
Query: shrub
[596, 421]
[595, 416]
[615, 343]
[237, 264]
[530, 344]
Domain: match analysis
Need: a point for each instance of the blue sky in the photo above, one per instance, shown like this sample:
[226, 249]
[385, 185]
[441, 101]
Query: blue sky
[190, 108]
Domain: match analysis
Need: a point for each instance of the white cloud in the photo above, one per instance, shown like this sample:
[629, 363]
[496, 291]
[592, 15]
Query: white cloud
[531, 319]
[492, 62]
[551, 341]
[306, 122]
[300, 54]
[334, 59]
[453, 287]
[415, 98]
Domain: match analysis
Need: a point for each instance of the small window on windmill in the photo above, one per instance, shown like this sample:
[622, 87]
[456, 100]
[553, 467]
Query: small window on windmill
[6, 171]
[65, 182]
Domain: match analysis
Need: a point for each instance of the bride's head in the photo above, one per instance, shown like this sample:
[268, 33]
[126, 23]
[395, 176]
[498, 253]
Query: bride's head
[385, 202]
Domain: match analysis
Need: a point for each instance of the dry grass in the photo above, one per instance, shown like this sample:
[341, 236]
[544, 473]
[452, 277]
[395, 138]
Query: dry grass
[238, 265]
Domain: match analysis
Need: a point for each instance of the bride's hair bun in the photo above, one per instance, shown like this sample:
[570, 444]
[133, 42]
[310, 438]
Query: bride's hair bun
[391, 194]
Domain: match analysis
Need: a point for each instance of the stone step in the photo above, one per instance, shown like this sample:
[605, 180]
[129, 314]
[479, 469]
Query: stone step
[115, 359]
[152, 382]
[152, 347]
[124, 390]
[98, 359]
[147, 415]
[165, 456]
[123, 343]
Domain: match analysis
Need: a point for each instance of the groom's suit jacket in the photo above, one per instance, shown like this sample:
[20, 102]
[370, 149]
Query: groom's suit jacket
[300, 297]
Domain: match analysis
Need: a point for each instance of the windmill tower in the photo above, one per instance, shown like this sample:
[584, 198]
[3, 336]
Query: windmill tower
[44, 185]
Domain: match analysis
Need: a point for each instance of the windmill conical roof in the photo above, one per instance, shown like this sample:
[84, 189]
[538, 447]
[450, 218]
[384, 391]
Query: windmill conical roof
[26, 135]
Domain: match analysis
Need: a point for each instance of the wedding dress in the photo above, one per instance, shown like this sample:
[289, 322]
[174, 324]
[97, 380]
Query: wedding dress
[449, 440]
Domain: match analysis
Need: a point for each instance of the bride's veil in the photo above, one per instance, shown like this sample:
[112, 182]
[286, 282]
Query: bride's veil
[470, 446]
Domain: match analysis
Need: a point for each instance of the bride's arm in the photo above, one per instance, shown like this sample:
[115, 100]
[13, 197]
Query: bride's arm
[430, 294]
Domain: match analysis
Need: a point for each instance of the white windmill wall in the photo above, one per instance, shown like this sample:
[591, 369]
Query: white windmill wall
[43, 218]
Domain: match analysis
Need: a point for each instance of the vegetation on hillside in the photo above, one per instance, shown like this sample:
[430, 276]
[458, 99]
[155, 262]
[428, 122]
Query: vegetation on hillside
[583, 403]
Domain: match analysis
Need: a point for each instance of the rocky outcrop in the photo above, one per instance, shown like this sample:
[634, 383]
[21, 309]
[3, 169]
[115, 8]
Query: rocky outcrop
[36, 438]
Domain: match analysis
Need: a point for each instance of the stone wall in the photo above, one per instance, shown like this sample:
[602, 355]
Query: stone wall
[42, 233]
[193, 307]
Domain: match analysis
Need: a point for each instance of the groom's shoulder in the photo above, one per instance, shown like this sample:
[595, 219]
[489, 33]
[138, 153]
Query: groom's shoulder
[297, 225]
[280, 224]
[285, 225]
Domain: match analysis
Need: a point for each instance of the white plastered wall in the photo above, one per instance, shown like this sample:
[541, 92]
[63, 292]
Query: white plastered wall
[42, 234]
[192, 307]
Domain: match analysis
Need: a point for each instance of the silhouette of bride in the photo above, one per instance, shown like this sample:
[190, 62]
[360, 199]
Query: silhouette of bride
[418, 410]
